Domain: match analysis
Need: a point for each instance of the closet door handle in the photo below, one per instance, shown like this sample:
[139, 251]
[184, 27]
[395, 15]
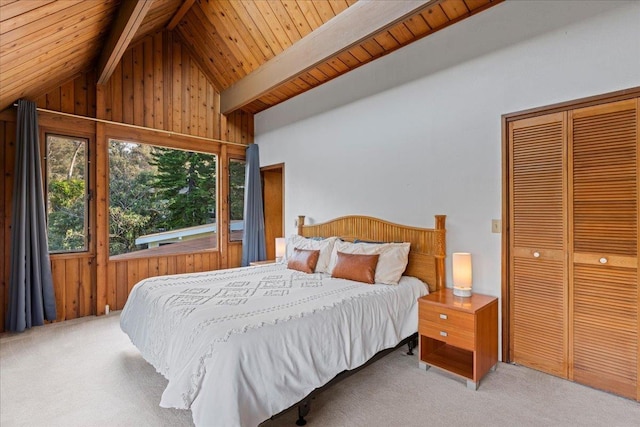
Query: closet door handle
[443, 334]
[536, 254]
[603, 260]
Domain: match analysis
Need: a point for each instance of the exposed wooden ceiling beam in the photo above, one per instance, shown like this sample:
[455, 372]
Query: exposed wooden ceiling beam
[359, 22]
[180, 14]
[130, 16]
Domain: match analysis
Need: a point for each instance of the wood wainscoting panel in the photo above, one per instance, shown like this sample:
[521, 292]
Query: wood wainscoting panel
[234, 249]
[126, 273]
[73, 285]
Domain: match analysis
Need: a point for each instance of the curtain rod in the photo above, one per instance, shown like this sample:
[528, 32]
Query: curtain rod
[109, 122]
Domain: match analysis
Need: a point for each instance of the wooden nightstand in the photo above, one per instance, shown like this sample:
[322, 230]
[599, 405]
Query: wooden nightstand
[267, 261]
[458, 334]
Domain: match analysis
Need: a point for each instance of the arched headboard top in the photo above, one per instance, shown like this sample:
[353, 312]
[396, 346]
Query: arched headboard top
[428, 245]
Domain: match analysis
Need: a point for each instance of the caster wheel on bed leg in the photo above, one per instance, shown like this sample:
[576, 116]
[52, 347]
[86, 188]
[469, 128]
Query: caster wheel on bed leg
[303, 410]
[411, 344]
[410, 350]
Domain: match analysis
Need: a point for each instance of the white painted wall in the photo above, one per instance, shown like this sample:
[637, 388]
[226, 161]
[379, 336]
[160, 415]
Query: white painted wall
[418, 132]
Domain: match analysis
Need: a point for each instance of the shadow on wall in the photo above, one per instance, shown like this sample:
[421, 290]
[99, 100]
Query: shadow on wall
[498, 28]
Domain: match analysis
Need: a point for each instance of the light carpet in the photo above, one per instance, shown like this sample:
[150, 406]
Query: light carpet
[86, 372]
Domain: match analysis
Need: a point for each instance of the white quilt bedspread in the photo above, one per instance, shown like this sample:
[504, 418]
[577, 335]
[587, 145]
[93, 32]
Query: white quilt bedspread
[243, 344]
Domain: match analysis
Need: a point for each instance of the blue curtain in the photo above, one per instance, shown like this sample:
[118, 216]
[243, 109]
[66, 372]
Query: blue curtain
[253, 240]
[31, 297]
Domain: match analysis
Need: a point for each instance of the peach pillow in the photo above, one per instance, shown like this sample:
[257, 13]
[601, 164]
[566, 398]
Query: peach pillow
[361, 268]
[304, 260]
[325, 246]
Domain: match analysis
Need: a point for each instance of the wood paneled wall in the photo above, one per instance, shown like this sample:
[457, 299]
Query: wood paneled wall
[72, 283]
[238, 127]
[7, 158]
[157, 85]
[129, 272]
[77, 96]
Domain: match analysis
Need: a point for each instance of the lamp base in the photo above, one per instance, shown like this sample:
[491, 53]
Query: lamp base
[462, 292]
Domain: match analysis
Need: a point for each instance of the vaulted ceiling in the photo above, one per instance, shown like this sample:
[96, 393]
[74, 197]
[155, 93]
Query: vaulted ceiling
[258, 53]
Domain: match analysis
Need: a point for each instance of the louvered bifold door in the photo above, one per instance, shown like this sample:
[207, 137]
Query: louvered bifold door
[603, 181]
[538, 240]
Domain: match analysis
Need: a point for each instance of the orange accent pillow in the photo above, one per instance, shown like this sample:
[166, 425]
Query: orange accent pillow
[304, 260]
[361, 268]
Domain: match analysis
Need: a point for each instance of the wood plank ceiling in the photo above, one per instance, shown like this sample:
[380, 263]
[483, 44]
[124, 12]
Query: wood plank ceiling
[44, 43]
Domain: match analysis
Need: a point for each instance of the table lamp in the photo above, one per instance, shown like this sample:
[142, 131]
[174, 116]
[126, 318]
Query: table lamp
[462, 277]
[280, 248]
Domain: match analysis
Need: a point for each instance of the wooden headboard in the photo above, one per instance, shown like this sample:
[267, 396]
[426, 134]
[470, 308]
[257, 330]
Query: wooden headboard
[428, 247]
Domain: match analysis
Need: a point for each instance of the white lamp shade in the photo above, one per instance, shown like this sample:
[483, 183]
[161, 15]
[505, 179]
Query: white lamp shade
[462, 274]
[280, 247]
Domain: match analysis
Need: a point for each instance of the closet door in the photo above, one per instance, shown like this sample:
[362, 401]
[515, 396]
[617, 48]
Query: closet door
[603, 214]
[538, 239]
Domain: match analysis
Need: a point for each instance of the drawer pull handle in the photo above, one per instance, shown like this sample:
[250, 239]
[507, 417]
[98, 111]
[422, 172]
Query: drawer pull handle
[603, 260]
[536, 254]
[443, 316]
[443, 334]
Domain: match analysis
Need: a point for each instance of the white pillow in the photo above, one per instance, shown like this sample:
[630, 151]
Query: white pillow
[392, 262]
[325, 246]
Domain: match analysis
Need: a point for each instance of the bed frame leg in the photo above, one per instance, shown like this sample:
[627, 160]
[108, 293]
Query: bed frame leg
[303, 410]
[412, 343]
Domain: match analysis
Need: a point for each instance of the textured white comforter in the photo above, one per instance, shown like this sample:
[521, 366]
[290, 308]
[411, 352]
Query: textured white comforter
[243, 344]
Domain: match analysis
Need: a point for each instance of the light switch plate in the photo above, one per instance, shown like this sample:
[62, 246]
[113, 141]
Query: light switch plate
[496, 226]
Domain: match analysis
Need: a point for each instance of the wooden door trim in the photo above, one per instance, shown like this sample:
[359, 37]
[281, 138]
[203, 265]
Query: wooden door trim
[272, 167]
[606, 98]
[621, 95]
[638, 270]
[276, 166]
[506, 242]
[281, 168]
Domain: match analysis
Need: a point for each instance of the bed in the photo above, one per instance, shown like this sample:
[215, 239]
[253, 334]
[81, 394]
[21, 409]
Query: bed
[239, 346]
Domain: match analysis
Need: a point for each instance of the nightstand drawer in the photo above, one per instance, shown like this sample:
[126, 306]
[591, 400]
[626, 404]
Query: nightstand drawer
[458, 337]
[447, 317]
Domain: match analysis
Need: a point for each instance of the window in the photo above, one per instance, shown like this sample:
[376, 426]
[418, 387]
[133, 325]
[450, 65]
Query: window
[236, 199]
[67, 193]
[161, 200]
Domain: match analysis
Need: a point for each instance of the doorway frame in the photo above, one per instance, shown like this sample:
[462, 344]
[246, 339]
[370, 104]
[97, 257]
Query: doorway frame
[271, 168]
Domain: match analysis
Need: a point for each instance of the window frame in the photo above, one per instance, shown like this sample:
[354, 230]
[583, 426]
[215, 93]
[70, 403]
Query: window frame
[88, 183]
[229, 160]
[161, 138]
[182, 147]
